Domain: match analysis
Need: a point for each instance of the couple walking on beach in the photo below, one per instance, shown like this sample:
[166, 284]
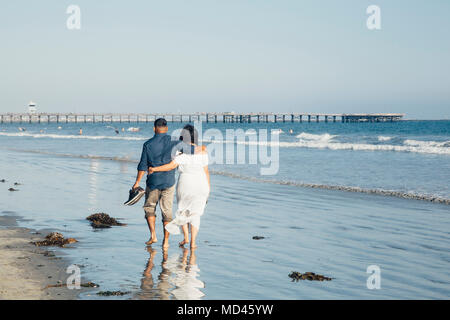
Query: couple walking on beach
[160, 158]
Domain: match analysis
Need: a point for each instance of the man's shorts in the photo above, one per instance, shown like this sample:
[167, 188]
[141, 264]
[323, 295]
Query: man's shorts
[165, 199]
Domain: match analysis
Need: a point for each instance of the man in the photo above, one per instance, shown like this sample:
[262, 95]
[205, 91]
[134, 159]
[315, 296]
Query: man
[161, 185]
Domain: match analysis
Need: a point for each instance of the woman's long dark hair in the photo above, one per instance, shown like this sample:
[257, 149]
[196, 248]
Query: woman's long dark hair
[189, 134]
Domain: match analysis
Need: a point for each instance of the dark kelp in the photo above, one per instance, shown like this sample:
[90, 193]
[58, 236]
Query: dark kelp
[311, 276]
[258, 238]
[112, 293]
[54, 239]
[83, 285]
[103, 220]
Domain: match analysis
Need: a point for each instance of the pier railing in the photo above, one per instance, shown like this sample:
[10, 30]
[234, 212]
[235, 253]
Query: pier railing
[204, 117]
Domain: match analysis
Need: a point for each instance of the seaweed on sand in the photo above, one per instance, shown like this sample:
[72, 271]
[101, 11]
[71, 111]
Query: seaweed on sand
[103, 220]
[83, 285]
[112, 293]
[54, 239]
[311, 276]
[258, 237]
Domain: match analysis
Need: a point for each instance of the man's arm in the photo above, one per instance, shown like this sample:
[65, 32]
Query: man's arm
[142, 167]
[139, 176]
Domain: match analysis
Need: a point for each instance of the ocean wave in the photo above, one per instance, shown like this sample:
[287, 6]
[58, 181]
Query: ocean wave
[69, 136]
[420, 143]
[383, 192]
[306, 140]
[425, 149]
[331, 145]
[315, 137]
[384, 138]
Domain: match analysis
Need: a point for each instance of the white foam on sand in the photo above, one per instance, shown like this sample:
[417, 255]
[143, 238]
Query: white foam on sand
[378, 191]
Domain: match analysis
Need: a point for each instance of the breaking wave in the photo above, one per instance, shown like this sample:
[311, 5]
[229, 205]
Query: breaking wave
[68, 136]
[316, 137]
[305, 140]
[325, 141]
[426, 144]
[384, 138]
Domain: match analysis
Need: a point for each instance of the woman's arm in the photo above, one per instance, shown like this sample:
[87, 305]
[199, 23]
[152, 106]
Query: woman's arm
[167, 167]
[207, 176]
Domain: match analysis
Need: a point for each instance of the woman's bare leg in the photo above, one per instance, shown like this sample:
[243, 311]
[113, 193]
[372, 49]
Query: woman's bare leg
[186, 235]
[194, 232]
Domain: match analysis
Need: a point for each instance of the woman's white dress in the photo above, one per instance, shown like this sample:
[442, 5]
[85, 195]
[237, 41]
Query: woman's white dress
[192, 191]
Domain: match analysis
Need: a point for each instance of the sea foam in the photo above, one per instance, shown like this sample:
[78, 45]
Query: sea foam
[377, 191]
[68, 136]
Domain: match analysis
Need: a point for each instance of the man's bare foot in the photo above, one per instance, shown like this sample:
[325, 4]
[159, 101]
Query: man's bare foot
[182, 243]
[151, 241]
[193, 246]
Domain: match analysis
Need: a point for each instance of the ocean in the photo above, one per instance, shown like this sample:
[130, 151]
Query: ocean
[343, 197]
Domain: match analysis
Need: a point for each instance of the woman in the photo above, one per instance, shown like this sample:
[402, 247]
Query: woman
[193, 185]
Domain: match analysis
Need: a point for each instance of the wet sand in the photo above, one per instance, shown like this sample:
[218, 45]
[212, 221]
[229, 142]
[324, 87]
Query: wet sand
[25, 270]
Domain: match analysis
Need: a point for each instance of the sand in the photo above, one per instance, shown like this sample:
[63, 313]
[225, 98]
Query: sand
[25, 270]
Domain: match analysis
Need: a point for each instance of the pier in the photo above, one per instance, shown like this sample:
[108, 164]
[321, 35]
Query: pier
[208, 117]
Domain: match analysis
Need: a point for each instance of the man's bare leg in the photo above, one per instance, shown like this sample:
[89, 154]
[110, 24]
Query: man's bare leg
[194, 232]
[185, 229]
[166, 236]
[151, 227]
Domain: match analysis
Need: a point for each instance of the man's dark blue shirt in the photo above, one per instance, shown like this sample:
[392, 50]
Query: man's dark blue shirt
[156, 152]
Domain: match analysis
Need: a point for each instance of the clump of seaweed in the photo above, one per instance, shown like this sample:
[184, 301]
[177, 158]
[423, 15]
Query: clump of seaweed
[258, 238]
[54, 239]
[12, 189]
[311, 276]
[103, 220]
[83, 285]
[112, 293]
[3, 181]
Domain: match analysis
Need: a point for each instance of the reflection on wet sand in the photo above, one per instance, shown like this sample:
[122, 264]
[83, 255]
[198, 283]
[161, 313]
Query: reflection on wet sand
[178, 278]
[93, 183]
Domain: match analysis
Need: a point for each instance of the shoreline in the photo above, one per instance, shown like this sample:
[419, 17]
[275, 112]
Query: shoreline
[26, 270]
[342, 188]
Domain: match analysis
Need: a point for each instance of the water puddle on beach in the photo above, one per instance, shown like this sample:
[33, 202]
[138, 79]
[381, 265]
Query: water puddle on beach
[333, 233]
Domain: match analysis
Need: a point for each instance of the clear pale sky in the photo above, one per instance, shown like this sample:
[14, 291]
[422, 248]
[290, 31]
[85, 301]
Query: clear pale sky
[227, 55]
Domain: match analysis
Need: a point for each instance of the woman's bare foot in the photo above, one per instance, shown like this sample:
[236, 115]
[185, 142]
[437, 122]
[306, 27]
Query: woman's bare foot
[151, 241]
[166, 244]
[193, 246]
[182, 243]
